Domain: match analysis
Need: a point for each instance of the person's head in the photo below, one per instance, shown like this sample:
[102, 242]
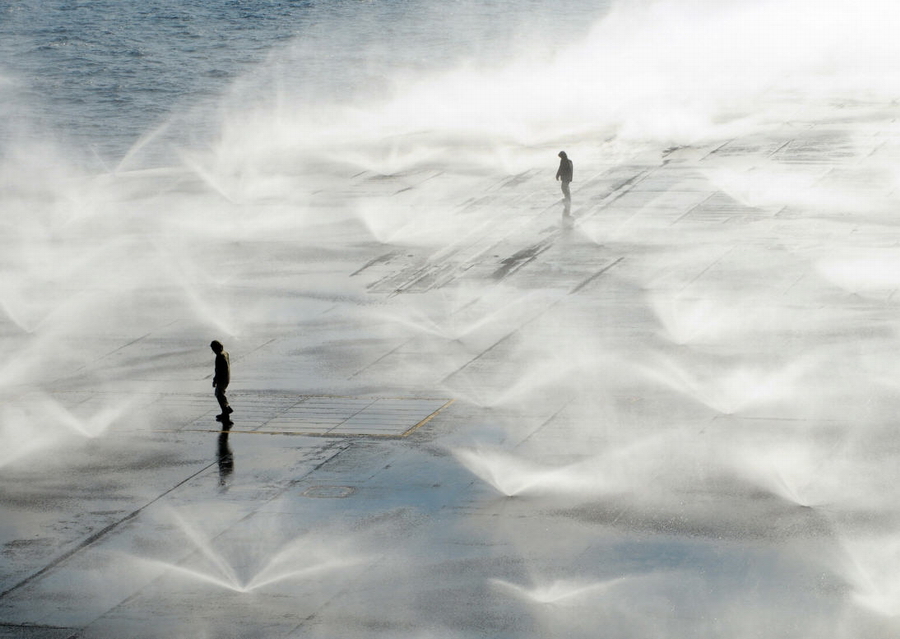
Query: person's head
[563, 155]
[217, 347]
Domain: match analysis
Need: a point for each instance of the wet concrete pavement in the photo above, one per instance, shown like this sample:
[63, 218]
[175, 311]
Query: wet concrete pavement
[459, 413]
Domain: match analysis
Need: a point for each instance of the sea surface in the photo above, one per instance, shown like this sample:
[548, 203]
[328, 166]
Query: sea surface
[97, 77]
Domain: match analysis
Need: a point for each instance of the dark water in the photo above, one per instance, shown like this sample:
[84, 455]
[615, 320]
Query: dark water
[97, 75]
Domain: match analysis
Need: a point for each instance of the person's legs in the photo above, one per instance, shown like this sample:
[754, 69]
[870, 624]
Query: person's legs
[223, 401]
[566, 193]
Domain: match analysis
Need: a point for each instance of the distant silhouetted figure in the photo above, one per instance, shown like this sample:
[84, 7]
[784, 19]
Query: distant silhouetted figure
[564, 175]
[221, 378]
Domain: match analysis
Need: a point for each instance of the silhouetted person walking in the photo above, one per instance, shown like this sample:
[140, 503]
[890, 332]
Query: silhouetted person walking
[564, 175]
[221, 378]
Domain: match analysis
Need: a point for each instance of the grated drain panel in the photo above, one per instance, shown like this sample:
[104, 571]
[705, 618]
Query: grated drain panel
[328, 492]
[330, 416]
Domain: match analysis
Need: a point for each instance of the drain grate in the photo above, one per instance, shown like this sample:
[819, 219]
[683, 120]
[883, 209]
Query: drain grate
[330, 416]
[328, 492]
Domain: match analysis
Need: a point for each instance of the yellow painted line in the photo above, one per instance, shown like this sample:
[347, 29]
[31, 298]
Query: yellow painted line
[428, 419]
[292, 433]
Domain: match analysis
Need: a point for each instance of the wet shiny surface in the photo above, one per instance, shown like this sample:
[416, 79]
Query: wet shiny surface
[673, 412]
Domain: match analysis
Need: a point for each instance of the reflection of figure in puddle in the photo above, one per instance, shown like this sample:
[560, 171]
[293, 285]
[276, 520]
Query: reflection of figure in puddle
[220, 380]
[226, 458]
[564, 175]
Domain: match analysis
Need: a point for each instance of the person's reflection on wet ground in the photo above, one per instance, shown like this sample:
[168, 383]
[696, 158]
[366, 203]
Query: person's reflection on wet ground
[225, 458]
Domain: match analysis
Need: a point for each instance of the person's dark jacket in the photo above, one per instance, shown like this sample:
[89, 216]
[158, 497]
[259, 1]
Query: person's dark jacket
[223, 370]
[566, 170]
